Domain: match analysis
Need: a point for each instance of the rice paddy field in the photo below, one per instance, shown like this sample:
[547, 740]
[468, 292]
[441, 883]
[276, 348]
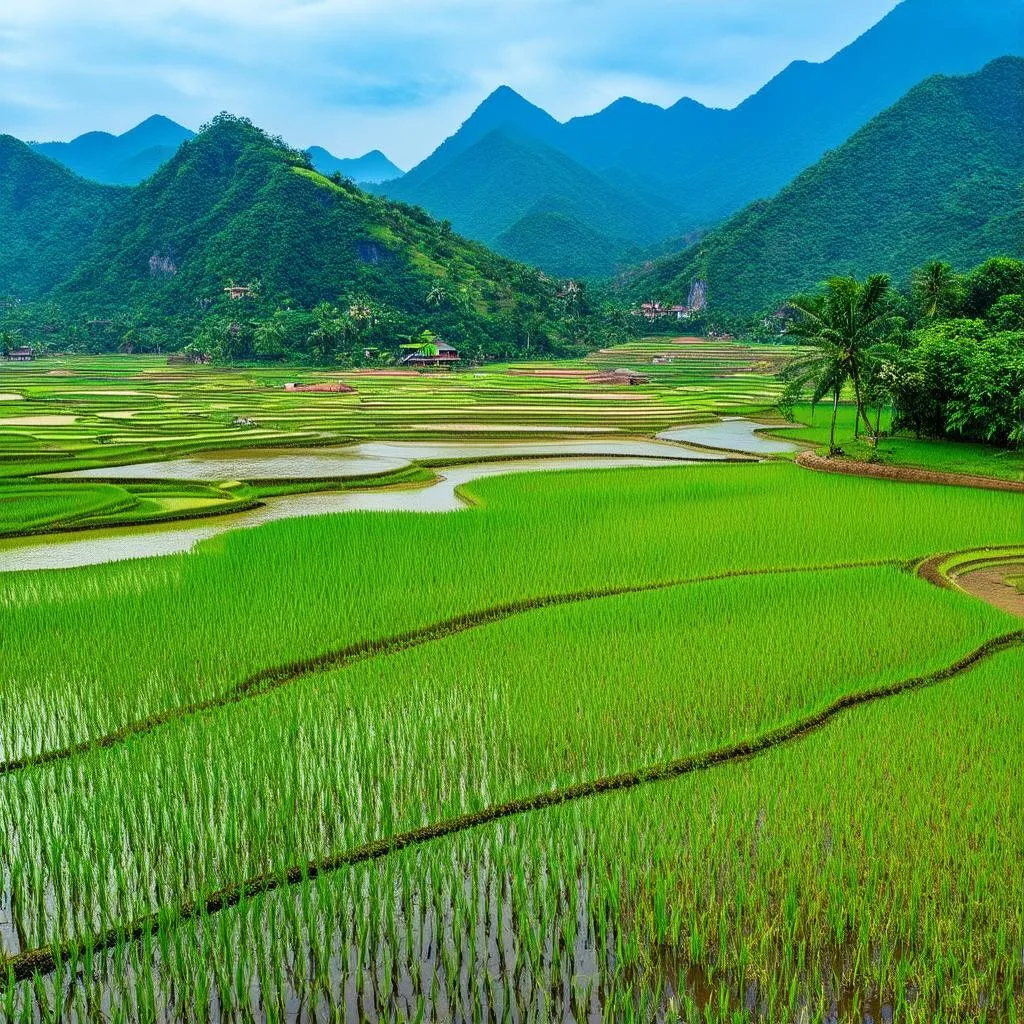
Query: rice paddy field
[695, 742]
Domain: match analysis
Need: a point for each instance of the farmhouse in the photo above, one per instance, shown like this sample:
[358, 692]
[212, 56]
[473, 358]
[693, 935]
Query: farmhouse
[20, 355]
[238, 291]
[432, 353]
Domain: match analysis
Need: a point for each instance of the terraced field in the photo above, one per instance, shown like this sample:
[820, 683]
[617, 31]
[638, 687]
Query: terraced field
[711, 742]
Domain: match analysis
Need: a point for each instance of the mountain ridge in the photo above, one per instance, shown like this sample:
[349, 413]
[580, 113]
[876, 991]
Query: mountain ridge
[937, 175]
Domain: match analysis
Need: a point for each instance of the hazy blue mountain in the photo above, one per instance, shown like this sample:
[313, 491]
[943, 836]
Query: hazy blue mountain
[938, 175]
[119, 159]
[489, 188]
[505, 111]
[49, 219]
[692, 165]
[811, 108]
[370, 169]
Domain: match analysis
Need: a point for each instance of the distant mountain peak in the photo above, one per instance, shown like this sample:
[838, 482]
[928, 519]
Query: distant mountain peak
[506, 105]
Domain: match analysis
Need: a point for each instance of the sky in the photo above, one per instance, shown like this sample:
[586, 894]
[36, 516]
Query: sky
[396, 75]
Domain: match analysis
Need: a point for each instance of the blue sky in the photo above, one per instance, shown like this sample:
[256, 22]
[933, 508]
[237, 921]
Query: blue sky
[398, 75]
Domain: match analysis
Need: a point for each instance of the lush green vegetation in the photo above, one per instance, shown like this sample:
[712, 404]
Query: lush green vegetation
[948, 358]
[902, 448]
[936, 175]
[50, 218]
[686, 893]
[333, 271]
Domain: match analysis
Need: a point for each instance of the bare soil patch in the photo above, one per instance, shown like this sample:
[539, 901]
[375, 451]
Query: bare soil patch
[992, 585]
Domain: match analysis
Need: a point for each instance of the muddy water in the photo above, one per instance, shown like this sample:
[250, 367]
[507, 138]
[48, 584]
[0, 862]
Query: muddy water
[72, 550]
[370, 458]
[734, 434]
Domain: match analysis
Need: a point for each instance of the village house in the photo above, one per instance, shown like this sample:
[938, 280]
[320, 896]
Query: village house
[238, 291]
[20, 355]
[431, 353]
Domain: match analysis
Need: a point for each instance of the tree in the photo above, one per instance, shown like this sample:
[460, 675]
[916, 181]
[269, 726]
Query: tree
[937, 289]
[331, 331]
[990, 282]
[841, 325]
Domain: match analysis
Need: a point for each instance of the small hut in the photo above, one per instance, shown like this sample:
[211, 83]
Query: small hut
[430, 353]
[20, 355]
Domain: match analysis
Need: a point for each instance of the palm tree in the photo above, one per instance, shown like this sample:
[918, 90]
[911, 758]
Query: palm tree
[841, 325]
[824, 368]
[937, 289]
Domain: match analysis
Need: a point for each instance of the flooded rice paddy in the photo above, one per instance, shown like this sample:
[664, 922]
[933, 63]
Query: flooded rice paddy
[737, 435]
[73, 550]
[373, 458]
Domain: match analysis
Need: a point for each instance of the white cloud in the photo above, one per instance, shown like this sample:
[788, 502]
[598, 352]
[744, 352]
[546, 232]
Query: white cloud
[392, 74]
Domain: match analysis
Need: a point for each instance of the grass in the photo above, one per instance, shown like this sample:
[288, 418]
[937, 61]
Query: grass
[906, 450]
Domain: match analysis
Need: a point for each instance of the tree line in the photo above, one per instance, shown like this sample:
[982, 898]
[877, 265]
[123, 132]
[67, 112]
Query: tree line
[946, 354]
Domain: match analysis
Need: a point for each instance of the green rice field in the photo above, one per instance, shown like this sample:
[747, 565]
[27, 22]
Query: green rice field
[707, 742]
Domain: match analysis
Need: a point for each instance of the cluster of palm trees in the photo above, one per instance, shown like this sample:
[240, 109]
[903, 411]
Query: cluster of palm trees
[846, 328]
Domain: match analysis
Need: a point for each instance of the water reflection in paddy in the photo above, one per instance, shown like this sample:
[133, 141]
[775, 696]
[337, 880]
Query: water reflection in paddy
[97, 547]
[370, 458]
[738, 435]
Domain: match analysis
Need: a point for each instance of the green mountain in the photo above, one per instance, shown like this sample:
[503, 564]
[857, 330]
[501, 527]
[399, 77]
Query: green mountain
[119, 159]
[235, 206]
[557, 237]
[940, 174]
[48, 220]
[689, 165]
[536, 204]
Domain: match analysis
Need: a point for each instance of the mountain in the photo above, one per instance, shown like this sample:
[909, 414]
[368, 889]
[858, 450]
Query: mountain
[235, 206]
[811, 108]
[693, 165]
[49, 218]
[499, 181]
[370, 169]
[119, 159]
[938, 175]
[503, 111]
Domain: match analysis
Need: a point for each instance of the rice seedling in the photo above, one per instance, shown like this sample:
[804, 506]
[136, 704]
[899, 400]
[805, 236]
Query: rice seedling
[633, 745]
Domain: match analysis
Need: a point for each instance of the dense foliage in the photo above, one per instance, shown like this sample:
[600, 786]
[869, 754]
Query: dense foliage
[948, 357]
[330, 270]
[939, 174]
[48, 219]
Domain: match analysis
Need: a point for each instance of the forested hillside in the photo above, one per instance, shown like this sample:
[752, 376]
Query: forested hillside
[533, 203]
[316, 257]
[48, 220]
[940, 174]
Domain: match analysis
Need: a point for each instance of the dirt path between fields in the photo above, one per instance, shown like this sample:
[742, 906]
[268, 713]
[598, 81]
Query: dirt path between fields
[904, 474]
